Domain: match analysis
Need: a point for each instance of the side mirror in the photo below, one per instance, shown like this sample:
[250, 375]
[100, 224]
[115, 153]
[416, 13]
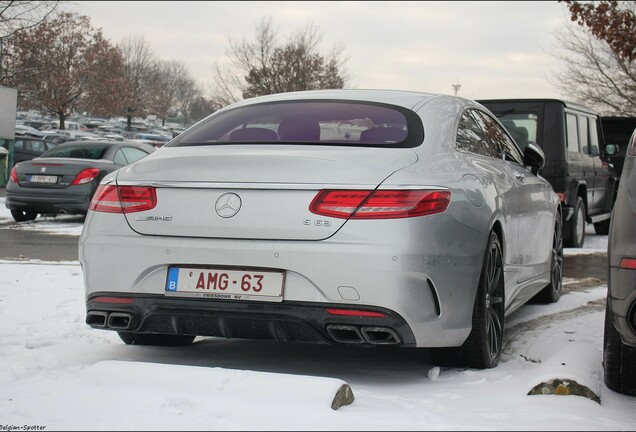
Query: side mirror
[533, 157]
[611, 149]
[594, 150]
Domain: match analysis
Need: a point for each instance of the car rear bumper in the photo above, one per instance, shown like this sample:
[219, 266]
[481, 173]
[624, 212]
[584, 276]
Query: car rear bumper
[74, 201]
[430, 284]
[290, 322]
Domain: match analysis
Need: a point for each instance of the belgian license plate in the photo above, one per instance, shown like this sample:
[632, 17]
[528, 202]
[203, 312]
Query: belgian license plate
[225, 284]
[42, 179]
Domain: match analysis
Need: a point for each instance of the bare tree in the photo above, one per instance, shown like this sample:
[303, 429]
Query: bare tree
[63, 61]
[202, 107]
[138, 63]
[167, 82]
[16, 15]
[594, 72]
[264, 66]
[187, 93]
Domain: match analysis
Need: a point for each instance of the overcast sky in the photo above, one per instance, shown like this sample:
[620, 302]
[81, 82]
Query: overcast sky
[493, 49]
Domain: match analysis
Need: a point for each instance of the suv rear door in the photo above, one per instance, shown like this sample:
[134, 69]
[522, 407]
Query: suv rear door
[580, 163]
[601, 168]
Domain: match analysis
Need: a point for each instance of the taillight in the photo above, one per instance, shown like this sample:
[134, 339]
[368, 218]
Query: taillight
[628, 263]
[379, 204]
[13, 176]
[86, 176]
[123, 199]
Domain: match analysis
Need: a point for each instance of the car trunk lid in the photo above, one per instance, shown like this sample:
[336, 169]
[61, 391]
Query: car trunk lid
[52, 173]
[255, 193]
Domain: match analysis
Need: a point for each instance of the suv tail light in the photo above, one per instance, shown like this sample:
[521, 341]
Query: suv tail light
[379, 204]
[86, 176]
[123, 199]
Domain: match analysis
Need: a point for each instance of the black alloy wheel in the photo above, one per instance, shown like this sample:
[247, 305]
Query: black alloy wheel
[482, 349]
[577, 225]
[552, 292]
[493, 306]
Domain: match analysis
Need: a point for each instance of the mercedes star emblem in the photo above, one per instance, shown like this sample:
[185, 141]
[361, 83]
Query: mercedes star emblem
[228, 205]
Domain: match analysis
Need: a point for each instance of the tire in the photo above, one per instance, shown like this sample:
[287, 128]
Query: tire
[23, 216]
[619, 360]
[483, 347]
[576, 232]
[602, 228]
[155, 339]
[552, 292]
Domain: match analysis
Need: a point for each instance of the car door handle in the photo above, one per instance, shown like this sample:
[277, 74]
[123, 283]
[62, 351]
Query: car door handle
[520, 177]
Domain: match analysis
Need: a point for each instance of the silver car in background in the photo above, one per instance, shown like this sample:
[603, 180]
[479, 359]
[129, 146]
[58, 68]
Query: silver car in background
[353, 217]
[619, 347]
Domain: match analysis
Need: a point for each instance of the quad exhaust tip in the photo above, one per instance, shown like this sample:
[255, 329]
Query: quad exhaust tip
[97, 319]
[113, 320]
[380, 335]
[119, 320]
[350, 334]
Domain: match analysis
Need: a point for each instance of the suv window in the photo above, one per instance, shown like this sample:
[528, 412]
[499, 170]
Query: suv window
[572, 134]
[594, 147]
[583, 135]
[522, 125]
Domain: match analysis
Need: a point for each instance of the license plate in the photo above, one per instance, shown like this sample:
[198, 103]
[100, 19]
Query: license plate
[225, 284]
[42, 179]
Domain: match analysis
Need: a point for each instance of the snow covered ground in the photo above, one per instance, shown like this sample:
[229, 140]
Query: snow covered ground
[57, 373]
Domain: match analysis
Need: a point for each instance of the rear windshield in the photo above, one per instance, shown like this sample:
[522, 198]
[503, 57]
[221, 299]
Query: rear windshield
[79, 151]
[309, 123]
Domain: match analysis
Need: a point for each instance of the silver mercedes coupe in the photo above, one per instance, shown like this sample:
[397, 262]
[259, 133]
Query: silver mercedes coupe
[352, 217]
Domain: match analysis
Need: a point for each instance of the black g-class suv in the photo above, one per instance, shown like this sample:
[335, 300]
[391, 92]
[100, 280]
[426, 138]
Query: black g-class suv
[577, 163]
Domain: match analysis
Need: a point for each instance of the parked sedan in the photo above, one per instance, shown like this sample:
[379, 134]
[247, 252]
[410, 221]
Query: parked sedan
[365, 218]
[619, 353]
[64, 178]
